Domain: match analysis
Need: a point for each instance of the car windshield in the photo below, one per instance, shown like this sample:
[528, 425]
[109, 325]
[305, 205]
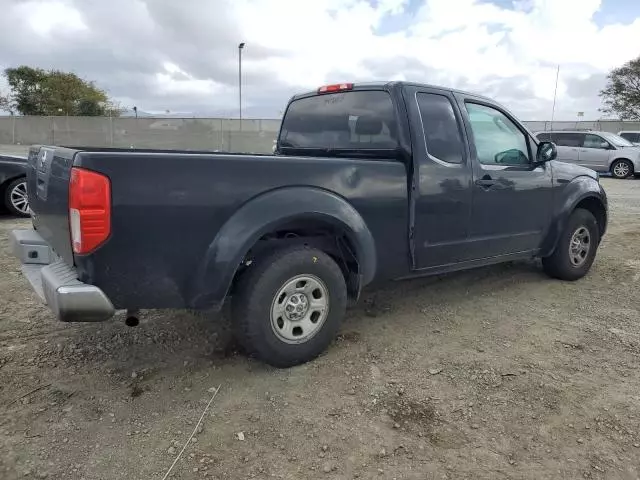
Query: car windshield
[617, 140]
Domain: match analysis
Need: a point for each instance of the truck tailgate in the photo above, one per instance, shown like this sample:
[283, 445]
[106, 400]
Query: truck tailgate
[48, 174]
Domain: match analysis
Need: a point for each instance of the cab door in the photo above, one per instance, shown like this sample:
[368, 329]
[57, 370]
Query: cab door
[511, 194]
[441, 190]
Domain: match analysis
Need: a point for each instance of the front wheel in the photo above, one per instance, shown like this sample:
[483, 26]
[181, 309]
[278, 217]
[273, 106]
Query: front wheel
[576, 248]
[16, 199]
[621, 169]
[289, 305]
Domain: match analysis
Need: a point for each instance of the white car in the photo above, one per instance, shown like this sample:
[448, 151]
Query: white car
[600, 151]
[632, 135]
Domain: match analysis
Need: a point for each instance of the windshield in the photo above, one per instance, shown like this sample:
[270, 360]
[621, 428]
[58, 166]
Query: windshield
[617, 140]
[355, 120]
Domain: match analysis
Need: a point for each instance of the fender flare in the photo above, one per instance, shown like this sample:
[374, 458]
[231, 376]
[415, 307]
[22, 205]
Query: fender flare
[263, 214]
[579, 189]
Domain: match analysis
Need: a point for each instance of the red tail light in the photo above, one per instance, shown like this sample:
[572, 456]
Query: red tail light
[89, 209]
[338, 87]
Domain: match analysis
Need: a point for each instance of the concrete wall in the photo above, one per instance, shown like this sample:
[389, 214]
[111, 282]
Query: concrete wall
[255, 136]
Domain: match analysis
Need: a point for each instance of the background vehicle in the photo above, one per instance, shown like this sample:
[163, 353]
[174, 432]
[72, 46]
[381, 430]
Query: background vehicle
[13, 185]
[631, 135]
[369, 183]
[600, 151]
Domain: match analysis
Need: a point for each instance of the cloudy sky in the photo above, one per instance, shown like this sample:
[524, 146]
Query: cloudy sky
[182, 56]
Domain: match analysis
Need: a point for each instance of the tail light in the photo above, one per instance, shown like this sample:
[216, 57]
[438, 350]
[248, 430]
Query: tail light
[338, 87]
[89, 209]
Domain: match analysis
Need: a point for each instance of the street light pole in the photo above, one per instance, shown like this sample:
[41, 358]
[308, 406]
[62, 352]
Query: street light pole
[555, 93]
[240, 47]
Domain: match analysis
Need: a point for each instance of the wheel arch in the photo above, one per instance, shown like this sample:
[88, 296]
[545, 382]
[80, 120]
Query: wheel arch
[583, 192]
[6, 180]
[4, 185]
[282, 217]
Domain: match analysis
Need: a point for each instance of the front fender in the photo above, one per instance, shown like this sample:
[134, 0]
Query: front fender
[11, 167]
[264, 214]
[577, 190]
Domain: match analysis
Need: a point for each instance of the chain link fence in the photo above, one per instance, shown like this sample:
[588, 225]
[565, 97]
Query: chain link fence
[227, 135]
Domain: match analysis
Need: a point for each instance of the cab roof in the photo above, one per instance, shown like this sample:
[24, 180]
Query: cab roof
[392, 85]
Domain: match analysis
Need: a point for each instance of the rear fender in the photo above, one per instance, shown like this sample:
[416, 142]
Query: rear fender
[579, 189]
[264, 214]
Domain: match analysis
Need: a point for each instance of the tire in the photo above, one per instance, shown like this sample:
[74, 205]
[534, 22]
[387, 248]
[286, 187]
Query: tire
[15, 199]
[268, 300]
[563, 264]
[622, 169]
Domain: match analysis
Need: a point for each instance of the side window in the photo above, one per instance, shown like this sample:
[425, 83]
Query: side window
[594, 141]
[544, 137]
[631, 136]
[569, 139]
[441, 129]
[497, 139]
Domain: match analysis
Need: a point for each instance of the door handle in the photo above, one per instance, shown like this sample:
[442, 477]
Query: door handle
[485, 182]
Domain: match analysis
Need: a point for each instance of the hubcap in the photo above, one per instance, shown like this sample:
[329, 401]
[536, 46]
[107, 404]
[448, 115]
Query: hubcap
[579, 246]
[621, 169]
[19, 199]
[299, 309]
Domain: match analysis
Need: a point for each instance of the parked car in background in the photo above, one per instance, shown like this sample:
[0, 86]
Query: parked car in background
[369, 183]
[13, 185]
[632, 135]
[601, 151]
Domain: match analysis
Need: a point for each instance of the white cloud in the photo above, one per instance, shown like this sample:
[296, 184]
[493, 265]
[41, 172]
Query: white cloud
[45, 17]
[461, 39]
[189, 54]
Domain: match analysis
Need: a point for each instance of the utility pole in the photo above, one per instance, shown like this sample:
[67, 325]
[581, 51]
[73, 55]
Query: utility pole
[240, 47]
[555, 93]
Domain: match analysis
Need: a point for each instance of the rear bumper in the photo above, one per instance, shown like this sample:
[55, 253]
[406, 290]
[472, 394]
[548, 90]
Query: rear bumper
[56, 283]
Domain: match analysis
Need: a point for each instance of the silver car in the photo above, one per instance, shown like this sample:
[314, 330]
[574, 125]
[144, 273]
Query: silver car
[600, 151]
[632, 135]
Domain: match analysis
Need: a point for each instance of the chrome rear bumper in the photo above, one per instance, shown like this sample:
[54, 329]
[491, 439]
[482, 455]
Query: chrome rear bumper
[56, 283]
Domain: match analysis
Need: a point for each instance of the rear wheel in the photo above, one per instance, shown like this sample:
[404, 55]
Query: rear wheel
[16, 199]
[288, 306]
[576, 249]
[621, 169]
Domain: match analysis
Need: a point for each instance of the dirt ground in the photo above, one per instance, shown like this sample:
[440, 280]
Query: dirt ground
[495, 373]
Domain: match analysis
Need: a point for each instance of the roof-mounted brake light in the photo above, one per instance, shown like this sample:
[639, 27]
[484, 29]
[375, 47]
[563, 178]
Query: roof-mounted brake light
[338, 87]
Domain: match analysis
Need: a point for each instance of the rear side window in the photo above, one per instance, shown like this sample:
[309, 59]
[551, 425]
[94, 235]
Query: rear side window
[356, 120]
[568, 139]
[441, 128]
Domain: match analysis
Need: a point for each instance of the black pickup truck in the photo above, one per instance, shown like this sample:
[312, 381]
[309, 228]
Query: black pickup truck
[369, 182]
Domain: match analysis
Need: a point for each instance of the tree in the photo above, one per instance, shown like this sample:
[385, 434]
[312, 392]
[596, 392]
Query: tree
[26, 89]
[621, 96]
[6, 104]
[38, 92]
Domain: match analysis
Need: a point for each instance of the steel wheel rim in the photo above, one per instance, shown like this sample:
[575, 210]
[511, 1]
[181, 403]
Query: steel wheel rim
[621, 169]
[19, 199]
[579, 246]
[299, 309]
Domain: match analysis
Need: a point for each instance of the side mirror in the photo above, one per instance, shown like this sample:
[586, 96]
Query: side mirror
[604, 145]
[546, 152]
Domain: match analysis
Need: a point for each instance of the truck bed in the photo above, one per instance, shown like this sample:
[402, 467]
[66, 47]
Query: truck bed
[168, 207]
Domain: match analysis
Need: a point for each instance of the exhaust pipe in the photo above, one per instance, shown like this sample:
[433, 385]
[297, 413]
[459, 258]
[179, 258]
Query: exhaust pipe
[132, 319]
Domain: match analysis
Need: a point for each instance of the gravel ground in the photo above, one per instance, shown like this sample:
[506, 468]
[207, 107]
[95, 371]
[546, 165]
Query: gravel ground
[489, 374]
